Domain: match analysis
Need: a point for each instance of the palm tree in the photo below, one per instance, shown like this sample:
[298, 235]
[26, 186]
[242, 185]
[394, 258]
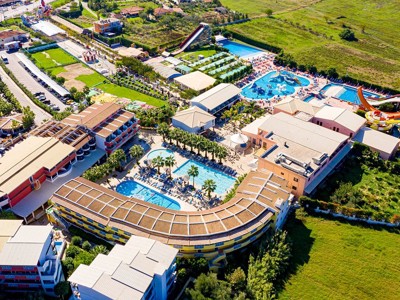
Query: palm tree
[213, 149]
[164, 130]
[192, 141]
[99, 249]
[251, 109]
[172, 135]
[221, 153]
[198, 143]
[136, 153]
[179, 136]
[170, 162]
[115, 159]
[193, 172]
[185, 139]
[158, 162]
[209, 186]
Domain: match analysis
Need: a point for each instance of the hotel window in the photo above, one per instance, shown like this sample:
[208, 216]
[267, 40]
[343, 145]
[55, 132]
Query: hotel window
[219, 244]
[334, 128]
[295, 179]
[198, 246]
[294, 188]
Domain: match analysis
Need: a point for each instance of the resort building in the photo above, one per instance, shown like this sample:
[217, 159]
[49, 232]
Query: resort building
[111, 25]
[262, 200]
[196, 81]
[111, 125]
[12, 37]
[11, 125]
[339, 120]
[193, 120]
[385, 144]
[29, 164]
[160, 11]
[301, 152]
[218, 98]
[141, 269]
[29, 260]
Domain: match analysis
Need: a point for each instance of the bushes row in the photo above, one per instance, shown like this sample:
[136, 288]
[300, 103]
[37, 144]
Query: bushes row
[312, 204]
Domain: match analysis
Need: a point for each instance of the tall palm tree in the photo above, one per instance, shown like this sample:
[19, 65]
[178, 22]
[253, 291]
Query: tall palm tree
[213, 150]
[198, 143]
[170, 162]
[163, 129]
[136, 153]
[193, 172]
[185, 139]
[192, 141]
[172, 136]
[209, 186]
[221, 153]
[115, 159]
[251, 109]
[158, 162]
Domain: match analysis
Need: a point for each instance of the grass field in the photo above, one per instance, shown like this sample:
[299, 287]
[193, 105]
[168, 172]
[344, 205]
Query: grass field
[194, 54]
[52, 58]
[311, 34]
[124, 92]
[92, 79]
[340, 261]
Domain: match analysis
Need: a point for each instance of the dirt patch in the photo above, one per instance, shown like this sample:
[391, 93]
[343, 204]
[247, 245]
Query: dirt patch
[73, 71]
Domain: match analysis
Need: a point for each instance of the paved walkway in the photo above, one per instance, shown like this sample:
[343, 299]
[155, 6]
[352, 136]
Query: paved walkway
[64, 22]
[40, 114]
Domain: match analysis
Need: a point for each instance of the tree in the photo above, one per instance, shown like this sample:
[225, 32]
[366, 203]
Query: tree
[61, 289]
[269, 12]
[193, 172]
[207, 286]
[221, 152]
[28, 117]
[332, 73]
[116, 158]
[158, 162]
[170, 162]
[136, 153]
[237, 279]
[86, 246]
[76, 240]
[348, 35]
[99, 249]
[72, 251]
[84, 257]
[209, 186]
[164, 130]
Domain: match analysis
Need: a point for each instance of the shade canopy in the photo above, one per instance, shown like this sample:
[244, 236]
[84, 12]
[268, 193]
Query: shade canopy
[239, 138]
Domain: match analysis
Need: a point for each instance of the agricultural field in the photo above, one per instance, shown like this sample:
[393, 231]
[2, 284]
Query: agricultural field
[85, 20]
[311, 34]
[334, 260]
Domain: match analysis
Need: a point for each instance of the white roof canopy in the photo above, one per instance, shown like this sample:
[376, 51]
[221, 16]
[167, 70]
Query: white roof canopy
[239, 138]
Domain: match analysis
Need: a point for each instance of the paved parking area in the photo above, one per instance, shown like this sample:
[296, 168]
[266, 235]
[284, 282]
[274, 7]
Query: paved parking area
[26, 79]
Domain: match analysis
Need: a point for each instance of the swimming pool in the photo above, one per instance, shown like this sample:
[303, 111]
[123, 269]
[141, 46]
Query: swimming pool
[58, 245]
[159, 152]
[224, 182]
[274, 83]
[240, 50]
[344, 92]
[134, 189]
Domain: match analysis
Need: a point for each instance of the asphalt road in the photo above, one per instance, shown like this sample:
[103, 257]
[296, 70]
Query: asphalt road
[40, 114]
[26, 79]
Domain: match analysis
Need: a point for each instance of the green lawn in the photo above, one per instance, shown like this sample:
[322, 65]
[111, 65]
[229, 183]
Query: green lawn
[193, 55]
[53, 58]
[311, 34]
[124, 92]
[92, 79]
[57, 70]
[339, 261]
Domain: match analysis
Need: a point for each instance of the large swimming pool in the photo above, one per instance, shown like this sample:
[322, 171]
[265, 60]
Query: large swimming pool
[274, 83]
[344, 92]
[164, 153]
[240, 50]
[224, 182]
[134, 189]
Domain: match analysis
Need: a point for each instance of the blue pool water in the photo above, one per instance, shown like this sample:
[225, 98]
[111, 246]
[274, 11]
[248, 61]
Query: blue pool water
[58, 246]
[224, 182]
[159, 152]
[274, 84]
[347, 93]
[239, 49]
[132, 188]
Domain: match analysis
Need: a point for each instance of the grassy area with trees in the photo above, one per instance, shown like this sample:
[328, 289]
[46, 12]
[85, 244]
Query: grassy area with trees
[313, 34]
[337, 260]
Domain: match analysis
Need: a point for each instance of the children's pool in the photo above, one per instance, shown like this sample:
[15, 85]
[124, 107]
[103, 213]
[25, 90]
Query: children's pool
[344, 92]
[273, 84]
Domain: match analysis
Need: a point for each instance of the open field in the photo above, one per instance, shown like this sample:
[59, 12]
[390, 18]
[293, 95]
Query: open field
[194, 54]
[53, 58]
[311, 34]
[258, 7]
[334, 260]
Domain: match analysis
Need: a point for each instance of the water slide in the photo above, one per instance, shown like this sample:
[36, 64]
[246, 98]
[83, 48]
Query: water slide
[370, 106]
[190, 39]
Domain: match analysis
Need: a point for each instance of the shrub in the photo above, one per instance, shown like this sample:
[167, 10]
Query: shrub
[72, 251]
[76, 240]
[86, 246]
[347, 35]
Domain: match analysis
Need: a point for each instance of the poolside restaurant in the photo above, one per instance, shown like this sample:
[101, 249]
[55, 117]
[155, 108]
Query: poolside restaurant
[193, 120]
[262, 200]
[218, 98]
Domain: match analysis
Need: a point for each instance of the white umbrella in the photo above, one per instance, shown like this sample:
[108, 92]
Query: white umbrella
[239, 138]
[253, 164]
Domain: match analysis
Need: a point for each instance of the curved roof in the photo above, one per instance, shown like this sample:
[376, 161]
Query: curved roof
[259, 195]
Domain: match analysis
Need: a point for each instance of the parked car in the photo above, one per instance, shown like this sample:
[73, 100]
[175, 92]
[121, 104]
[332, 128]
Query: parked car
[38, 94]
[54, 107]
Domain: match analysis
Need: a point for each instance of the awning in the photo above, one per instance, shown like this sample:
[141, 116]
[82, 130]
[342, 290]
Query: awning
[239, 138]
